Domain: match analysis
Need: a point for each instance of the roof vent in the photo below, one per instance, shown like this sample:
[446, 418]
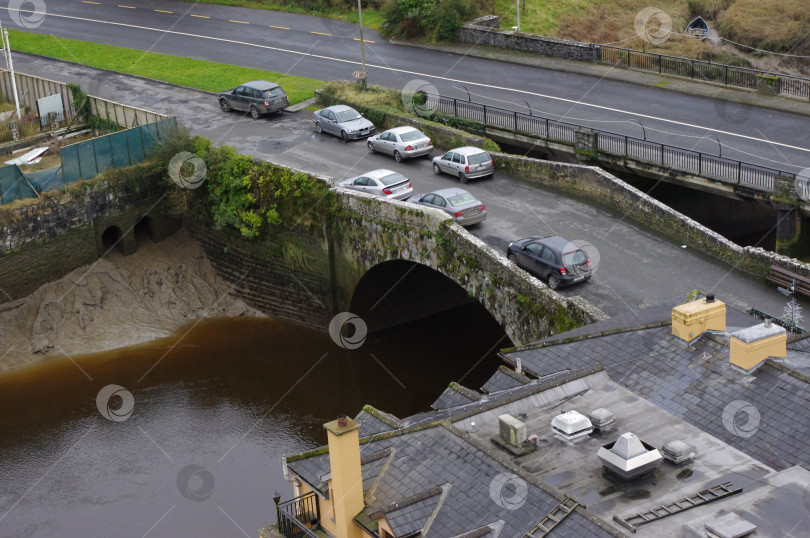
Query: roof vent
[629, 456]
[677, 452]
[601, 418]
[571, 425]
[513, 431]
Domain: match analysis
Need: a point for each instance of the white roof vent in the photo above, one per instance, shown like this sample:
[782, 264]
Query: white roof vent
[571, 425]
[629, 456]
[677, 452]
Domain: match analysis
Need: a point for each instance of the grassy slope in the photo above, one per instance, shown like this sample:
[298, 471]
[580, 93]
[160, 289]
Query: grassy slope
[198, 74]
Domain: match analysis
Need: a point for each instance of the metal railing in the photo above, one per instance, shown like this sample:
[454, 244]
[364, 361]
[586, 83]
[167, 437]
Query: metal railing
[702, 70]
[297, 517]
[694, 162]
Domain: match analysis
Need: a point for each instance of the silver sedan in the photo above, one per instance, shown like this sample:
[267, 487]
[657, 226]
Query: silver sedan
[458, 203]
[382, 182]
[401, 142]
[342, 121]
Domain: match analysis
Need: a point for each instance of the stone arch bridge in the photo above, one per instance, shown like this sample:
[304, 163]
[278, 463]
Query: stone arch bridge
[388, 263]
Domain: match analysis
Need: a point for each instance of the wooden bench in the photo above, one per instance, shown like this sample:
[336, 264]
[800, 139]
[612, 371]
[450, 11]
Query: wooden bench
[785, 278]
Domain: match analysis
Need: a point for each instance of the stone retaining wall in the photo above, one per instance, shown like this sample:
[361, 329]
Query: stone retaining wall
[602, 187]
[43, 240]
[484, 31]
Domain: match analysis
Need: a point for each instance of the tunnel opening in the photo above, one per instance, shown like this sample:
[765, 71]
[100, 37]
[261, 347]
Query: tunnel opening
[111, 239]
[144, 231]
[444, 334]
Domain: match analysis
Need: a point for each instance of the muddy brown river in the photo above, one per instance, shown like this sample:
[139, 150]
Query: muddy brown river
[195, 450]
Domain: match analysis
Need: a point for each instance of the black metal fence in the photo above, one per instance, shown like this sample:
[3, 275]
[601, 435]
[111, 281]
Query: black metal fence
[298, 516]
[708, 71]
[644, 151]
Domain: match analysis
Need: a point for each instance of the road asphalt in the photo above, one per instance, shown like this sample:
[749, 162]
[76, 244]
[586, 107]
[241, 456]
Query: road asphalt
[637, 267]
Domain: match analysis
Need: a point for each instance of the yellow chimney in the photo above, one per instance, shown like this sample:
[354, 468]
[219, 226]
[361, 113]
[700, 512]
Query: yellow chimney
[347, 476]
[691, 319]
[749, 347]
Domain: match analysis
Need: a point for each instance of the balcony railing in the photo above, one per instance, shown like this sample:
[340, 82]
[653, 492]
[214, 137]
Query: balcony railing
[300, 517]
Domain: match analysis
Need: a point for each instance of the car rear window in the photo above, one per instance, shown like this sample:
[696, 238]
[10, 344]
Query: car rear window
[575, 257]
[461, 199]
[411, 135]
[275, 92]
[478, 158]
[391, 179]
[347, 115]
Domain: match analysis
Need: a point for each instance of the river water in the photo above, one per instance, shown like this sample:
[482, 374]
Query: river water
[213, 409]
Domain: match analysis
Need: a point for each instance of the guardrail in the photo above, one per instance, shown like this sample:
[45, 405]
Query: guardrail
[702, 70]
[693, 162]
[296, 515]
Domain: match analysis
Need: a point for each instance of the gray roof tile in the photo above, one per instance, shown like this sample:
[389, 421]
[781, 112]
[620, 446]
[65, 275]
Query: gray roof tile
[696, 383]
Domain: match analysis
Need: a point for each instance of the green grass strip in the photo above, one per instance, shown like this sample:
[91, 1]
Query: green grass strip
[200, 74]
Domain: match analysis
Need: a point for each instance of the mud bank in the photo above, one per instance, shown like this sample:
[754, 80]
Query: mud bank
[115, 302]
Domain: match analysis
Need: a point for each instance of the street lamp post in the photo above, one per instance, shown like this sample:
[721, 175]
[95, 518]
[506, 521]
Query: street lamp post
[362, 43]
[7, 50]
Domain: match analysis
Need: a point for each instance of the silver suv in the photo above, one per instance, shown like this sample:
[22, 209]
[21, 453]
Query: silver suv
[465, 163]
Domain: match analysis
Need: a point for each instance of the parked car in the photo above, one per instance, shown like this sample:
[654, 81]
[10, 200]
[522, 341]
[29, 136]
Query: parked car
[465, 163]
[257, 97]
[465, 209]
[342, 121]
[401, 142]
[557, 260]
[382, 182]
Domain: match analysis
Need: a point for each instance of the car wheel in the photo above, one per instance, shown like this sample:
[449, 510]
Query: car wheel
[398, 156]
[344, 135]
[318, 127]
[462, 177]
[553, 282]
[436, 169]
[254, 113]
[512, 258]
[370, 147]
[224, 105]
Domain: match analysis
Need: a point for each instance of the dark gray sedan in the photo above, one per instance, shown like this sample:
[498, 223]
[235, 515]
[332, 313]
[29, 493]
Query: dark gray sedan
[382, 182]
[458, 203]
[342, 121]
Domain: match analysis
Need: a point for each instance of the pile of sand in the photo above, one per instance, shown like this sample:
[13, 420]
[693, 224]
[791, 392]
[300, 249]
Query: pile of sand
[115, 302]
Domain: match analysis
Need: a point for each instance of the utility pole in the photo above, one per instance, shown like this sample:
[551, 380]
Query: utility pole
[362, 43]
[7, 50]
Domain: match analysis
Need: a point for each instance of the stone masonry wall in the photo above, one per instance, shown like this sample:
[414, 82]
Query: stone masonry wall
[44, 240]
[600, 186]
[484, 31]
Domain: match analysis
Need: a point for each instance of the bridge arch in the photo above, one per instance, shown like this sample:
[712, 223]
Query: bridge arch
[399, 291]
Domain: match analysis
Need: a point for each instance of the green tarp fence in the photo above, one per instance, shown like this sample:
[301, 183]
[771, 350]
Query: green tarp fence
[88, 159]
[13, 185]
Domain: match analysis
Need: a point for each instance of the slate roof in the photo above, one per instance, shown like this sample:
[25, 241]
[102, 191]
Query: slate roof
[439, 457]
[696, 383]
[454, 396]
[504, 379]
[373, 421]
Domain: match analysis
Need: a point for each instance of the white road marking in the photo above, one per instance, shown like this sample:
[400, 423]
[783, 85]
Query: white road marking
[426, 75]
